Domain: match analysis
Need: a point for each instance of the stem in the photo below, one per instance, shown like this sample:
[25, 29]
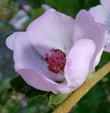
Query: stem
[75, 96]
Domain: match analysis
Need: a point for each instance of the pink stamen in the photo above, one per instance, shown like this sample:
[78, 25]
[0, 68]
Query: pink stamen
[56, 60]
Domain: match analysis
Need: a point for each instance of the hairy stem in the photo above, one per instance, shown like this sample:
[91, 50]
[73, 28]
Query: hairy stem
[75, 96]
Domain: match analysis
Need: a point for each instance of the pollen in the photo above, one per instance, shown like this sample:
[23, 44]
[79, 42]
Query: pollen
[56, 60]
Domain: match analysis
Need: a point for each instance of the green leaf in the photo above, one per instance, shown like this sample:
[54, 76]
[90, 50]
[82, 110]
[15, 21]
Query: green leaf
[69, 7]
[34, 13]
[90, 3]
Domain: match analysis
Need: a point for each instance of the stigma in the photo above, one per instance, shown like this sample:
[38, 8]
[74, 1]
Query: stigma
[56, 60]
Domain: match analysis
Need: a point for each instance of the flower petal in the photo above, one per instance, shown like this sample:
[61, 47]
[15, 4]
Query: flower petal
[10, 40]
[107, 43]
[89, 29]
[29, 64]
[46, 7]
[86, 27]
[51, 30]
[99, 13]
[107, 48]
[97, 59]
[106, 4]
[78, 62]
[26, 57]
[38, 81]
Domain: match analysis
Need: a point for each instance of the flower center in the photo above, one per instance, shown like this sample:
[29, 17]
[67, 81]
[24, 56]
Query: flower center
[56, 60]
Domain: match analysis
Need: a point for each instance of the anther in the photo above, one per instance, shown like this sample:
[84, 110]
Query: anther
[56, 60]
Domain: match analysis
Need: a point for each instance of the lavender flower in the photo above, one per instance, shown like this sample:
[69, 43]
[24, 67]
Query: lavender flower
[56, 53]
[101, 14]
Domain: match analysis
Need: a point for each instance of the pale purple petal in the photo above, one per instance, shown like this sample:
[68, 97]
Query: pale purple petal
[107, 43]
[86, 27]
[51, 30]
[46, 7]
[78, 62]
[30, 65]
[107, 48]
[38, 81]
[97, 59]
[99, 13]
[106, 4]
[10, 40]
[26, 57]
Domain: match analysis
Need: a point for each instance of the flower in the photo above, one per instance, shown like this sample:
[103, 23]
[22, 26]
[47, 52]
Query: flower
[56, 53]
[101, 14]
[46, 7]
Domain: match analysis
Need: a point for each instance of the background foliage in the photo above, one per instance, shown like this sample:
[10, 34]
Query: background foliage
[18, 97]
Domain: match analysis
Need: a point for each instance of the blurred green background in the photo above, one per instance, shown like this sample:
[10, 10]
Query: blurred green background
[16, 96]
